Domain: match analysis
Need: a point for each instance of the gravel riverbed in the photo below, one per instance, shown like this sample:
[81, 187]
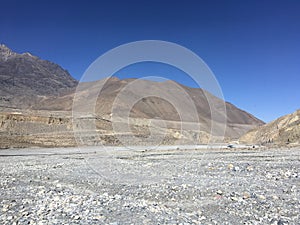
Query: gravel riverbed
[97, 186]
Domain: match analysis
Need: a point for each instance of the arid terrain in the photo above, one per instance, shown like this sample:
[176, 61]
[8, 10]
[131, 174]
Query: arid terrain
[97, 186]
[150, 112]
[220, 165]
[39, 100]
[283, 131]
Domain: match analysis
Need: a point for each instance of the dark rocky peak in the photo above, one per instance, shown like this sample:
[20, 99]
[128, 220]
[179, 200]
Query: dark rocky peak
[6, 53]
[26, 75]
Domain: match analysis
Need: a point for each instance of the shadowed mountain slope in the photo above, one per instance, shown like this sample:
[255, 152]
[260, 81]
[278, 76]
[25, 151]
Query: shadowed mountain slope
[25, 79]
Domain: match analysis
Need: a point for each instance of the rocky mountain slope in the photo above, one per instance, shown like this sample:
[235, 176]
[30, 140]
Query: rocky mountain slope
[284, 130]
[25, 79]
[36, 100]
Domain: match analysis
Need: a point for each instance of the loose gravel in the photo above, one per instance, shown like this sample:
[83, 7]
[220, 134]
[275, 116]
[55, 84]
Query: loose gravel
[151, 187]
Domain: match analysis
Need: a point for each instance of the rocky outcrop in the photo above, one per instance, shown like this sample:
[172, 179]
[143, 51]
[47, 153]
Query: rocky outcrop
[35, 129]
[284, 130]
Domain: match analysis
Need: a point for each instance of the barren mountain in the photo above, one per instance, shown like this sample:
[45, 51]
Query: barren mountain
[37, 100]
[151, 107]
[284, 130]
[25, 79]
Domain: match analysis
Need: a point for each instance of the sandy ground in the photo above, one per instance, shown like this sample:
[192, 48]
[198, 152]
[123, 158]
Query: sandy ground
[142, 186]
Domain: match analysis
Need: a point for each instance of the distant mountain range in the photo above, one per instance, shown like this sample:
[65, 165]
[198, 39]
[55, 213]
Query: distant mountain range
[29, 83]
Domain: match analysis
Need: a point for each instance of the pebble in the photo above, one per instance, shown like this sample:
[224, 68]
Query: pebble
[261, 197]
[219, 192]
[246, 195]
[230, 166]
[250, 168]
[5, 208]
[9, 217]
[236, 168]
[76, 217]
[235, 199]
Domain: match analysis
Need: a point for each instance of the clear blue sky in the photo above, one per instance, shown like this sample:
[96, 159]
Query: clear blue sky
[253, 47]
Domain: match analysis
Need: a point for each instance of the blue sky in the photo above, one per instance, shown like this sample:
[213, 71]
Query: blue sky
[253, 47]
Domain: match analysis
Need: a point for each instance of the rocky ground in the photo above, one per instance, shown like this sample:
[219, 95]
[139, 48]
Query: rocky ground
[100, 186]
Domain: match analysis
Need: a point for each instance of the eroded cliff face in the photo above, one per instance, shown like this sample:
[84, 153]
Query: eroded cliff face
[284, 130]
[26, 129]
[45, 129]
